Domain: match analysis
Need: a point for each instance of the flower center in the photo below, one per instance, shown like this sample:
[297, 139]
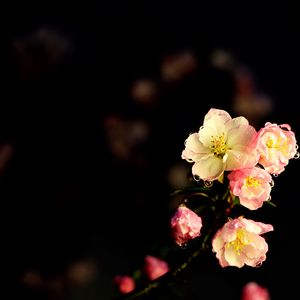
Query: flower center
[218, 145]
[280, 144]
[270, 143]
[240, 241]
[252, 182]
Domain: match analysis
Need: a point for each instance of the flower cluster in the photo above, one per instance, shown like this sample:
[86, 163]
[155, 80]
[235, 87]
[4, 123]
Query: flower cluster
[232, 172]
[153, 268]
[232, 158]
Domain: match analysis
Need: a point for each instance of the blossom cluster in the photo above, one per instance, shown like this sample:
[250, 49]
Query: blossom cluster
[153, 268]
[233, 166]
[230, 152]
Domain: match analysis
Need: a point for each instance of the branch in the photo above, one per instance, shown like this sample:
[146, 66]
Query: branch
[168, 277]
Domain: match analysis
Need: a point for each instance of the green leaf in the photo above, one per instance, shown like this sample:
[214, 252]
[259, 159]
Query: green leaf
[236, 200]
[190, 190]
[137, 275]
[271, 203]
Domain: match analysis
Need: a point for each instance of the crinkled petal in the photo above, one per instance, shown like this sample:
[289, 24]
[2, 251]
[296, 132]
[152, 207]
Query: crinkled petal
[256, 227]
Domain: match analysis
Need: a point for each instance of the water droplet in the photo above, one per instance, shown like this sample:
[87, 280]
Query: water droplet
[272, 183]
[275, 175]
[259, 264]
[296, 147]
[196, 178]
[270, 198]
[297, 155]
[183, 246]
[208, 183]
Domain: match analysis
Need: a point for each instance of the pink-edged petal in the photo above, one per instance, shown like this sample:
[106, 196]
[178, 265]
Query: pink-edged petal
[217, 243]
[228, 231]
[256, 227]
[221, 258]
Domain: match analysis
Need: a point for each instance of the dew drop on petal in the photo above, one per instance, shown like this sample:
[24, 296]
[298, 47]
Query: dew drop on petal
[183, 246]
[272, 183]
[208, 183]
[259, 264]
[275, 175]
[196, 178]
[297, 155]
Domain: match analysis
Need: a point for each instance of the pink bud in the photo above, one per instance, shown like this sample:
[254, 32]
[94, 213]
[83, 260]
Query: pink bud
[185, 225]
[253, 291]
[125, 283]
[155, 267]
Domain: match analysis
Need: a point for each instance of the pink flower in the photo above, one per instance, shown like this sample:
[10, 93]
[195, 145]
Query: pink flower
[185, 225]
[125, 283]
[222, 144]
[155, 267]
[254, 291]
[276, 145]
[251, 185]
[239, 242]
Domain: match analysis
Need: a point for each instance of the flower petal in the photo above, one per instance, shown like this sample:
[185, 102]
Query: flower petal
[209, 168]
[233, 258]
[242, 135]
[217, 112]
[194, 149]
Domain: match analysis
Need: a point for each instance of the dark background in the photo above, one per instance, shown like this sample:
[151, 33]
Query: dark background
[67, 197]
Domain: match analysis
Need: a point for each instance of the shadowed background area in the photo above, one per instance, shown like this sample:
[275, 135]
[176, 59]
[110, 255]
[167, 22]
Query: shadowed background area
[97, 100]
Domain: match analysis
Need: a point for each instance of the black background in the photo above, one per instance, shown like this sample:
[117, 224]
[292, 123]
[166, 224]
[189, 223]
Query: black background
[65, 197]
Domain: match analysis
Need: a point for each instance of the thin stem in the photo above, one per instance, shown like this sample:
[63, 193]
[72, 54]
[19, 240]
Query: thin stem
[168, 276]
[190, 190]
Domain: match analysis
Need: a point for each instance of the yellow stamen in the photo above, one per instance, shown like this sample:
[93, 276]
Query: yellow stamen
[279, 144]
[252, 182]
[218, 145]
[240, 241]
